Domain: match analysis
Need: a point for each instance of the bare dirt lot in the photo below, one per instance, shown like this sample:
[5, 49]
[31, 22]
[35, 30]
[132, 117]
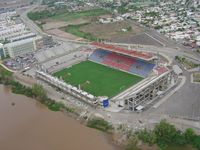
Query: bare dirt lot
[111, 30]
[142, 39]
[62, 34]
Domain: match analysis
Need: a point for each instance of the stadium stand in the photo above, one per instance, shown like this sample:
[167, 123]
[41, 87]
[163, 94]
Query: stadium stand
[122, 62]
[118, 61]
[141, 68]
[133, 53]
[99, 55]
[160, 70]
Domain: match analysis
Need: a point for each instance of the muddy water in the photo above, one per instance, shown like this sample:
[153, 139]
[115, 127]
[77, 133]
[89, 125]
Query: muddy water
[28, 125]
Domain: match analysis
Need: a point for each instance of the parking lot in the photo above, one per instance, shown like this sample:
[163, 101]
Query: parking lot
[21, 62]
[185, 103]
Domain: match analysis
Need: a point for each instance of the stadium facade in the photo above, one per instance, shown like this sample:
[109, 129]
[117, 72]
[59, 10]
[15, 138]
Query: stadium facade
[157, 78]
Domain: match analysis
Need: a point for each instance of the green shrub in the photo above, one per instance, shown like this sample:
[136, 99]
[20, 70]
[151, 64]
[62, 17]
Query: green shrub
[196, 142]
[189, 135]
[147, 136]
[132, 144]
[99, 124]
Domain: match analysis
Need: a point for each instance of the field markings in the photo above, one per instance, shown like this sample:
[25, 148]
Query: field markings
[103, 83]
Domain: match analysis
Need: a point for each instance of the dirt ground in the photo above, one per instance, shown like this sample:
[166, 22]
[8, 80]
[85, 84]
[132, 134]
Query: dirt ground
[111, 30]
[53, 27]
[55, 24]
[62, 34]
[142, 39]
[51, 24]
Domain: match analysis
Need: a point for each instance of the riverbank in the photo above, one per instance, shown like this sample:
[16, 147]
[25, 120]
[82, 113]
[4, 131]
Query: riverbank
[37, 93]
[160, 137]
[30, 125]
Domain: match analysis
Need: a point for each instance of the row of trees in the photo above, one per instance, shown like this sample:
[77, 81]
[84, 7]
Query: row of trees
[40, 15]
[36, 91]
[165, 134]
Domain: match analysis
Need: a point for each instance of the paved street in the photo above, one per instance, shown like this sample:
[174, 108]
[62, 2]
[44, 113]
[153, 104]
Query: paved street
[178, 108]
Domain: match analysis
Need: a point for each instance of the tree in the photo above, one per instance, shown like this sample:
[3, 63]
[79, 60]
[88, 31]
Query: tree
[179, 139]
[39, 92]
[165, 132]
[196, 142]
[147, 136]
[189, 135]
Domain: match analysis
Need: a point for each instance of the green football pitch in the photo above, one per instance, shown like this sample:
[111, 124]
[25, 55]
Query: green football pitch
[97, 79]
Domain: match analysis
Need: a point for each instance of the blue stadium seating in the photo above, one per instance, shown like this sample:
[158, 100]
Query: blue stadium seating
[99, 55]
[141, 68]
[122, 62]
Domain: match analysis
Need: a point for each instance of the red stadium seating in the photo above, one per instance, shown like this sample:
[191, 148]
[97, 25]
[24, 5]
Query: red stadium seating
[133, 53]
[124, 62]
[118, 61]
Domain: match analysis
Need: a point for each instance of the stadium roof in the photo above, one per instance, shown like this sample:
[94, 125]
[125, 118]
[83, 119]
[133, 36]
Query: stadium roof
[133, 53]
[139, 86]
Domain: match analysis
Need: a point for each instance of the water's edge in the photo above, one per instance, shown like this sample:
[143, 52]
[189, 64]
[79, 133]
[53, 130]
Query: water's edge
[27, 124]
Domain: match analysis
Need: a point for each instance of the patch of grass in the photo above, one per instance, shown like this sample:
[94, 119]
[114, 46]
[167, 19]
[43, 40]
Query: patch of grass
[40, 15]
[75, 30]
[4, 72]
[196, 77]
[97, 79]
[186, 63]
[76, 15]
[99, 124]
[54, 106]
[187, 147]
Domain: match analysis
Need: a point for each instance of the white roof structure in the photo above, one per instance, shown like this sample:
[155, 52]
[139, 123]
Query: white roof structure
[67, 86]
[177, 69]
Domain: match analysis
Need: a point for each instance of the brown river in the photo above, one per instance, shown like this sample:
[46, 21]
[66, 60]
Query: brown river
[28, 125]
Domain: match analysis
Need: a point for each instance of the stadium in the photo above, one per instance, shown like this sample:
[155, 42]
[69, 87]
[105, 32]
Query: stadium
[108, 74]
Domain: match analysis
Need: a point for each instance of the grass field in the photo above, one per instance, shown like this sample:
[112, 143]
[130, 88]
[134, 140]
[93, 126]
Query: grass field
[76, 15]
[64, 15]
[196, 77]
[75, 30]
[97, 79]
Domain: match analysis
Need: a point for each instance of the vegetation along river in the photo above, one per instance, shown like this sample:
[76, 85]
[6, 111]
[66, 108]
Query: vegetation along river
[26, 124]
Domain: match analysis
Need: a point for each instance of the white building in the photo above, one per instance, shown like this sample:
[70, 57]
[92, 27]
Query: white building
[10, 31]
[2, 54]
[21, 47]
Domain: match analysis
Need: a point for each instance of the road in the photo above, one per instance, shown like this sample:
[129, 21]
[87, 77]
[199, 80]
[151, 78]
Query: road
[180, 107]
[169, 47]
[32, 26]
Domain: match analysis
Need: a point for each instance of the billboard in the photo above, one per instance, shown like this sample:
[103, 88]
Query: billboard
[105, 103]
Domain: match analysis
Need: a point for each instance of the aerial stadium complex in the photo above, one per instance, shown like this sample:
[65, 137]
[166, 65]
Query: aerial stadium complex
[109, 74]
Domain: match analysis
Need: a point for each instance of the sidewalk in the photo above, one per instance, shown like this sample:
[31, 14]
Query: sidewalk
[7, 68]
